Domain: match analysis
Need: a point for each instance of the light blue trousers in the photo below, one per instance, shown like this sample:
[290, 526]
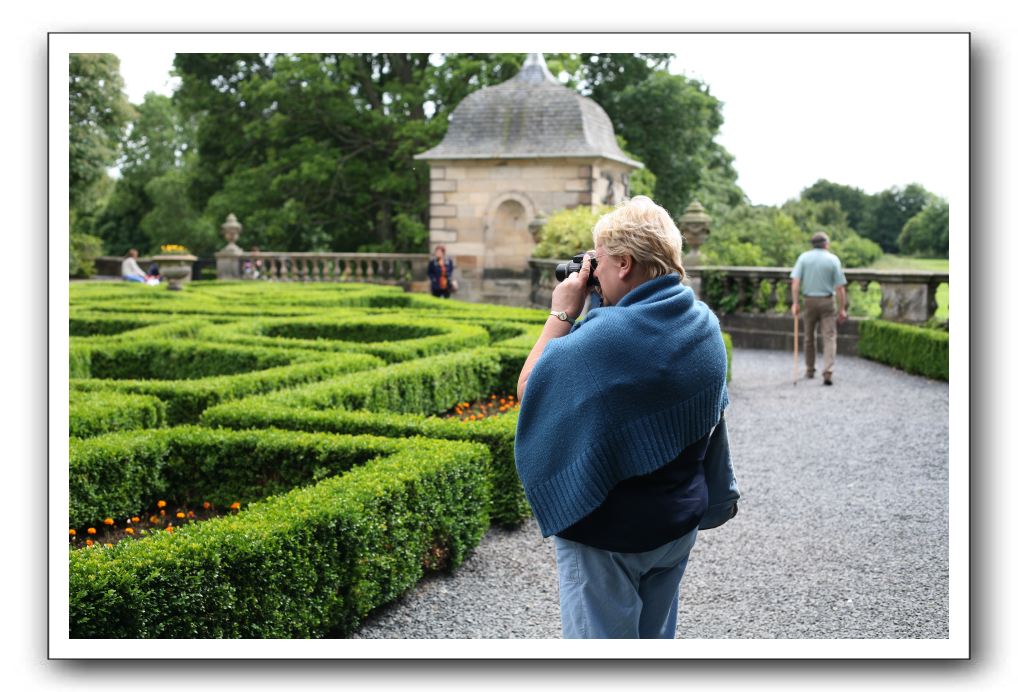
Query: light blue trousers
[607, 595]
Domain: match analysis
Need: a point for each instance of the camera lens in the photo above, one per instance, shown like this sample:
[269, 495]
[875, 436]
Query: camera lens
[566, 268]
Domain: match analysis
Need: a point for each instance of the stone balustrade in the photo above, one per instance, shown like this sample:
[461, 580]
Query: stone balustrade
[906, 296]
[403, 269]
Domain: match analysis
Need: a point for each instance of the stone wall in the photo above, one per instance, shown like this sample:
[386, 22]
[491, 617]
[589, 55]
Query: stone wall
[483, 211]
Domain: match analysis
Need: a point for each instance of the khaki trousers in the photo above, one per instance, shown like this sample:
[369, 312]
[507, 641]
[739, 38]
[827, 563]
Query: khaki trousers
[825, 312]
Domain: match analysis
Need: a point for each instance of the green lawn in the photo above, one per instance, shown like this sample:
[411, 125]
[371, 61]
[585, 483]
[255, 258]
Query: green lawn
[891, 262]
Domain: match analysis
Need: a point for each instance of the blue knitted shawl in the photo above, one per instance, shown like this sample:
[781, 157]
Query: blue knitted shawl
[619, 396]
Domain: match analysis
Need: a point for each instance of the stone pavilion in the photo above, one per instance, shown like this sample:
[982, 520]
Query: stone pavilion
[513, 154]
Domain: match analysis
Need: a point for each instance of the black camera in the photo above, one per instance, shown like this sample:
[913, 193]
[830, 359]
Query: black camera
[566, 268]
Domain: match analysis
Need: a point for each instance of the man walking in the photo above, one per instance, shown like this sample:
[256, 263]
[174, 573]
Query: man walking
[818, 273]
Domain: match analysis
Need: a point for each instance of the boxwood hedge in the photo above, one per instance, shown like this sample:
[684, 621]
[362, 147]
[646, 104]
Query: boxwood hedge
[390, 337]
[95, 413]
[913, 349]
[246, 370]
[313, 561]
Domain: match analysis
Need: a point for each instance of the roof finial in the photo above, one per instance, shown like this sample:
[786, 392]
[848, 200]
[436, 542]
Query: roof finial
[535, 69]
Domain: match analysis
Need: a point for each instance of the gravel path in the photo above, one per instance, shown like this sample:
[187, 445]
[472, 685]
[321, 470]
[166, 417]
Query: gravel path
[841, 533]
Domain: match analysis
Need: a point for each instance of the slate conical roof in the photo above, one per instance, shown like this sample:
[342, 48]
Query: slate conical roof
[531, 115]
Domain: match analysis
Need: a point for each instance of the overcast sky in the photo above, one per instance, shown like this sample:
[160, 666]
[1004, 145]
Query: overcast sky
[867, 110]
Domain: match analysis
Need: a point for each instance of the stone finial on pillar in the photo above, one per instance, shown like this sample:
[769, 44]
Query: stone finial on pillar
[227, 260]
[231, 230]
[694, 224]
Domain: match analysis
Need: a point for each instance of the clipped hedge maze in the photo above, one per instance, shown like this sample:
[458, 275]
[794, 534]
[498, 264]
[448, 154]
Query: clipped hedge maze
[318, 410]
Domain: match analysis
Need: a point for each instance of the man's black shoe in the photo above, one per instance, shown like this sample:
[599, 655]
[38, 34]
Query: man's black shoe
[827, 380]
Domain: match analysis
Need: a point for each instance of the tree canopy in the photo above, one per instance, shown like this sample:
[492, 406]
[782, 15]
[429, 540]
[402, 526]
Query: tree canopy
[98, 112]
[926, 233]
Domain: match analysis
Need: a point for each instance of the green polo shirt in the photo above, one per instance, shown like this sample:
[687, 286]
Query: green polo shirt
[819, 271]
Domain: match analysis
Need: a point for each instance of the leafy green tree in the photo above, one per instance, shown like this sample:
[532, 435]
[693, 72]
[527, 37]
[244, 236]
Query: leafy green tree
[670, 123]
[99, 112]
[827, 216]
[927, 233]
[856, 251]
[812, 217]
[889, 211]
[853, 201]
[173, 219]
[755, 236]
[604, 76]
[157, 143]
[210, 92]
[315, 152]
[85, 248]
[717, 191]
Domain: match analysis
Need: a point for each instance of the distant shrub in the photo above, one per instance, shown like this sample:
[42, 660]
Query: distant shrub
[568, 232]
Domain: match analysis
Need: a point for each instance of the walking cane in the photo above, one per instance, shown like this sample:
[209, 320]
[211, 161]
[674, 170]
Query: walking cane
[795, 350]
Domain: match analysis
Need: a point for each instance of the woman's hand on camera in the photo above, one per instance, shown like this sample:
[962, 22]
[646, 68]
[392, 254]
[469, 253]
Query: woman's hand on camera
[571, 294]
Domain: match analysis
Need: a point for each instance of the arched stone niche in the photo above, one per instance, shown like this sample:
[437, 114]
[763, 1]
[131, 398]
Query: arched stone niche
[508, 244]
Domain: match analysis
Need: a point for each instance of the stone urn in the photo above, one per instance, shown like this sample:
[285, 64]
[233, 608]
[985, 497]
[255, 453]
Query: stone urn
[176, 269]
[695, 227]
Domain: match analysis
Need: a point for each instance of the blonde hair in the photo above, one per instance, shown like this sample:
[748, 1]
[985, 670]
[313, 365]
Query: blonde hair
[645, 230]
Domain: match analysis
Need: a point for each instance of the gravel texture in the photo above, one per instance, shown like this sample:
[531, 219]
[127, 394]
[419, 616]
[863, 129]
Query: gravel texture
[842, 530]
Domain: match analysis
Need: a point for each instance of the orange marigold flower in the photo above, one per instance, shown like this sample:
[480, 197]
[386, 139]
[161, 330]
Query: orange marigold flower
[109, 545]
[190, 515]
[88, 542]
[235, 505]
[108, 521]
[135, 519]
[161, 503]
[91, 531]
[162, 512]
[180, 515]
[206, 505]
[73, 532]
[129, 531]
[170, 529]
[153, 519]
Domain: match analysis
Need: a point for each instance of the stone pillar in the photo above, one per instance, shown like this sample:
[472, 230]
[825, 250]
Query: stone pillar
[228, 259]
[911, 303]
[694, 224]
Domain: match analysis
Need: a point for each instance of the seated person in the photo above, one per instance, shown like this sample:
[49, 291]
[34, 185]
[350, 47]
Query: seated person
[253, 265]
[129, 269]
